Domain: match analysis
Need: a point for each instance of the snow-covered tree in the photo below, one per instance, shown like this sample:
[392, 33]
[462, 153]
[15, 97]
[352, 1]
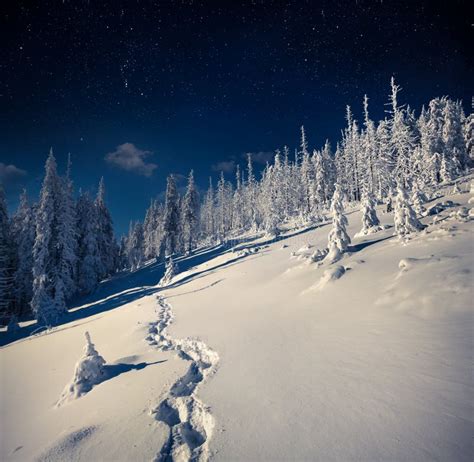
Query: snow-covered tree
[417, 200]
[66, 239]
[250, 196]
[105, 234]
[47, 305]
[171, 217]
[208, 214]
[190, 214]
[24, 237]
[238, 215]
[338, 239]
[401, 137]
[88, 261]
[171, 270]
[453, 134]
[405, 218]
[135, 246]
[370, 221]
[6, 261]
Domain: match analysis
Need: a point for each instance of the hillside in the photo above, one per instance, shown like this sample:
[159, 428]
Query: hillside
[257, 353]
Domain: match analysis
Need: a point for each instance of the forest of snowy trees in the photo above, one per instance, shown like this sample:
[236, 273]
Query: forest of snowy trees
[53, 249]
[370, 162]
[65, 245]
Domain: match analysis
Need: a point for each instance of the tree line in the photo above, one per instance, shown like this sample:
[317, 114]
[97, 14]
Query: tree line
[371, 159]
[53, 249]
[63, 246]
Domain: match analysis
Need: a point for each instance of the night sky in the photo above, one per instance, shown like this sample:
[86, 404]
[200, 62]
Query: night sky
[139, 89]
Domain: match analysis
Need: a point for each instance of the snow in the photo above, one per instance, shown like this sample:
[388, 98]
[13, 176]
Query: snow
[237, 359]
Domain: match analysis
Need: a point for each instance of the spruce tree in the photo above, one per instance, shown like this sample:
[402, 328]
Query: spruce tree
[6, 261]
[24, 236]
[405, 217]
[190, 214]
[66, 239]
[370, 221]
[338, 239]
[171, 270]
[47, 304]
[88, 262]
[171, 217]
[105, 234]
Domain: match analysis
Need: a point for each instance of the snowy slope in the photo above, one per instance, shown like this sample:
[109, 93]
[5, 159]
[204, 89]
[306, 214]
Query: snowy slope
[290, 365]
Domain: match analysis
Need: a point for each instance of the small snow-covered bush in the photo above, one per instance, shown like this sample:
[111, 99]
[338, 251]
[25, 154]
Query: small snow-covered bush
[89, 371]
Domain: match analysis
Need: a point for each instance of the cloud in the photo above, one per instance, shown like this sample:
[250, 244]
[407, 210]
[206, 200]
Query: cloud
[128, 157]
[10, 174]
[260, 157]
[226, 166]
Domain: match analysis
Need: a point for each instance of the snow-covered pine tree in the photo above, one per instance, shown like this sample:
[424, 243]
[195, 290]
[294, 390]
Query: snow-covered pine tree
[208, 214]
[307, 180]
[417, 199]
[386, 161]
[88, 258]
[223, 209]
[47, 306]
[445, 172]
[171, 270]
[190, 215]
[405, 217]
[338, 239]
[370, 221]
[250, 196]
[330, 174]
[401, 137]
[319, 185]
[238, 203]
[24, 236]
[66, 239]
[453, 135]
[469, 139]
[135, 246]
[105, 234]
[272, 216]
[149, 227]
[6, 262]
[171, 217]
[432, 138]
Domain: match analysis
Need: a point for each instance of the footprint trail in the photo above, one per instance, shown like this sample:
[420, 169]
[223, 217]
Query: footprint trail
[189, 420]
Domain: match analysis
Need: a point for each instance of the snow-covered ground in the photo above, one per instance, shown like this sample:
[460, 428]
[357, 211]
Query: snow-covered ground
[257, 353]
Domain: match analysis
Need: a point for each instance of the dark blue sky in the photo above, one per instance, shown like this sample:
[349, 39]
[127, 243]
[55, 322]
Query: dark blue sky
[190, 84]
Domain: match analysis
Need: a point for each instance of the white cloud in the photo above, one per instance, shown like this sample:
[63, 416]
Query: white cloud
[128, 157]
[226, 166]
[9, 174]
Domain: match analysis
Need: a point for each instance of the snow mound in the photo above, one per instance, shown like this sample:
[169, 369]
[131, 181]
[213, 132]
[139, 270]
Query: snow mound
[372, 230]
[89, 371]
[425, 287]
[330, 275]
